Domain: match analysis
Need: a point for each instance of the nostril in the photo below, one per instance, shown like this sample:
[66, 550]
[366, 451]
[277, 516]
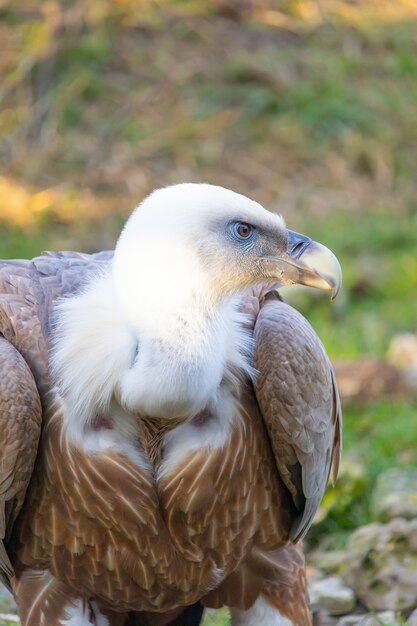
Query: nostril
[297, 247]
[297, 243]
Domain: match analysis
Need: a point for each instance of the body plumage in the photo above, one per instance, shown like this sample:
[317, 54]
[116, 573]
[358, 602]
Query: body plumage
[188, 428]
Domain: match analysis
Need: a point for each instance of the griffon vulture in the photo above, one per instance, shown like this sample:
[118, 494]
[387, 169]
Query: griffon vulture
[168, 424]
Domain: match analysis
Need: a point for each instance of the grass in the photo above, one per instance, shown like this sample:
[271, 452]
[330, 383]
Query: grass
[376, 438]
[217, 618]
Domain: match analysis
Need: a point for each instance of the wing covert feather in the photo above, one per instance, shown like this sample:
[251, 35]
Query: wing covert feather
[20, 422]
[28, 289]
[299, 401]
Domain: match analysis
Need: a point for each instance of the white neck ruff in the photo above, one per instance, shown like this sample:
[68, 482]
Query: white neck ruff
[161, 370]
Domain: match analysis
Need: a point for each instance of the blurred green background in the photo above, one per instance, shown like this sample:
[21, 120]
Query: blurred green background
[308, 106]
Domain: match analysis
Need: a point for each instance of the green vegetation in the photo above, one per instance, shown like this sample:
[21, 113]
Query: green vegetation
[217, 618]
[377, 437]
[309, 108]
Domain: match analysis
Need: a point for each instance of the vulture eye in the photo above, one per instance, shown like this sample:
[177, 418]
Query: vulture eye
[242, 231]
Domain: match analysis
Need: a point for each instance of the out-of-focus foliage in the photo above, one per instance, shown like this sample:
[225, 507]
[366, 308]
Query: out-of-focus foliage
[217, 618]
[303, 104]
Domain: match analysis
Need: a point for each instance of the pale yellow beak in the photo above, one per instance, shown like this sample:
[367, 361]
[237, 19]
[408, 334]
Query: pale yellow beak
[308, 263]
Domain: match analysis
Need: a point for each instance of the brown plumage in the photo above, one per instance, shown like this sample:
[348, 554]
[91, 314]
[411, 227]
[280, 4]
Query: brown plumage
[124, 544]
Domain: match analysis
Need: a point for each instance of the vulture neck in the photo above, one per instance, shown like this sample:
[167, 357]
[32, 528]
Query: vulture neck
[153, 349]
[188, 345]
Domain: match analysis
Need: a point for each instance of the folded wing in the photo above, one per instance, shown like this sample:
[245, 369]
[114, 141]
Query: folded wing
[299, 402]
[20, 420]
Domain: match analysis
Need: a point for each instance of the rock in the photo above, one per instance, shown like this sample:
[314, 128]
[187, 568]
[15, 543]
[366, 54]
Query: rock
[330, 562]
[7, 603]
[387, 618]
[332, 595]
[412, 619]
[381, 565]
[395, 494]
[313, 573]
[352, 620]
[362, 380]
[402, 353]
[322, 618]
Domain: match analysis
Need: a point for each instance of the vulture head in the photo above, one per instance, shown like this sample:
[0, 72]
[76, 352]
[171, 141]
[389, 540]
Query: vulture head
[165, 322]
[204, 242]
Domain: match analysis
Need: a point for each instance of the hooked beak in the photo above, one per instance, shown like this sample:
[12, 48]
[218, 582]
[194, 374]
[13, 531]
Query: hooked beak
[307, 262]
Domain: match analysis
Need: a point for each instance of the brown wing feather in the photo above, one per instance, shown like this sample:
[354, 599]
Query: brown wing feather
[290, 597]
[299, 402]
[20, 410]
[20, 421]
[27, 292]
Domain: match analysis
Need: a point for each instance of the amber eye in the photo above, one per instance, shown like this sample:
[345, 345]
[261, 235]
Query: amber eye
[242, 230]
